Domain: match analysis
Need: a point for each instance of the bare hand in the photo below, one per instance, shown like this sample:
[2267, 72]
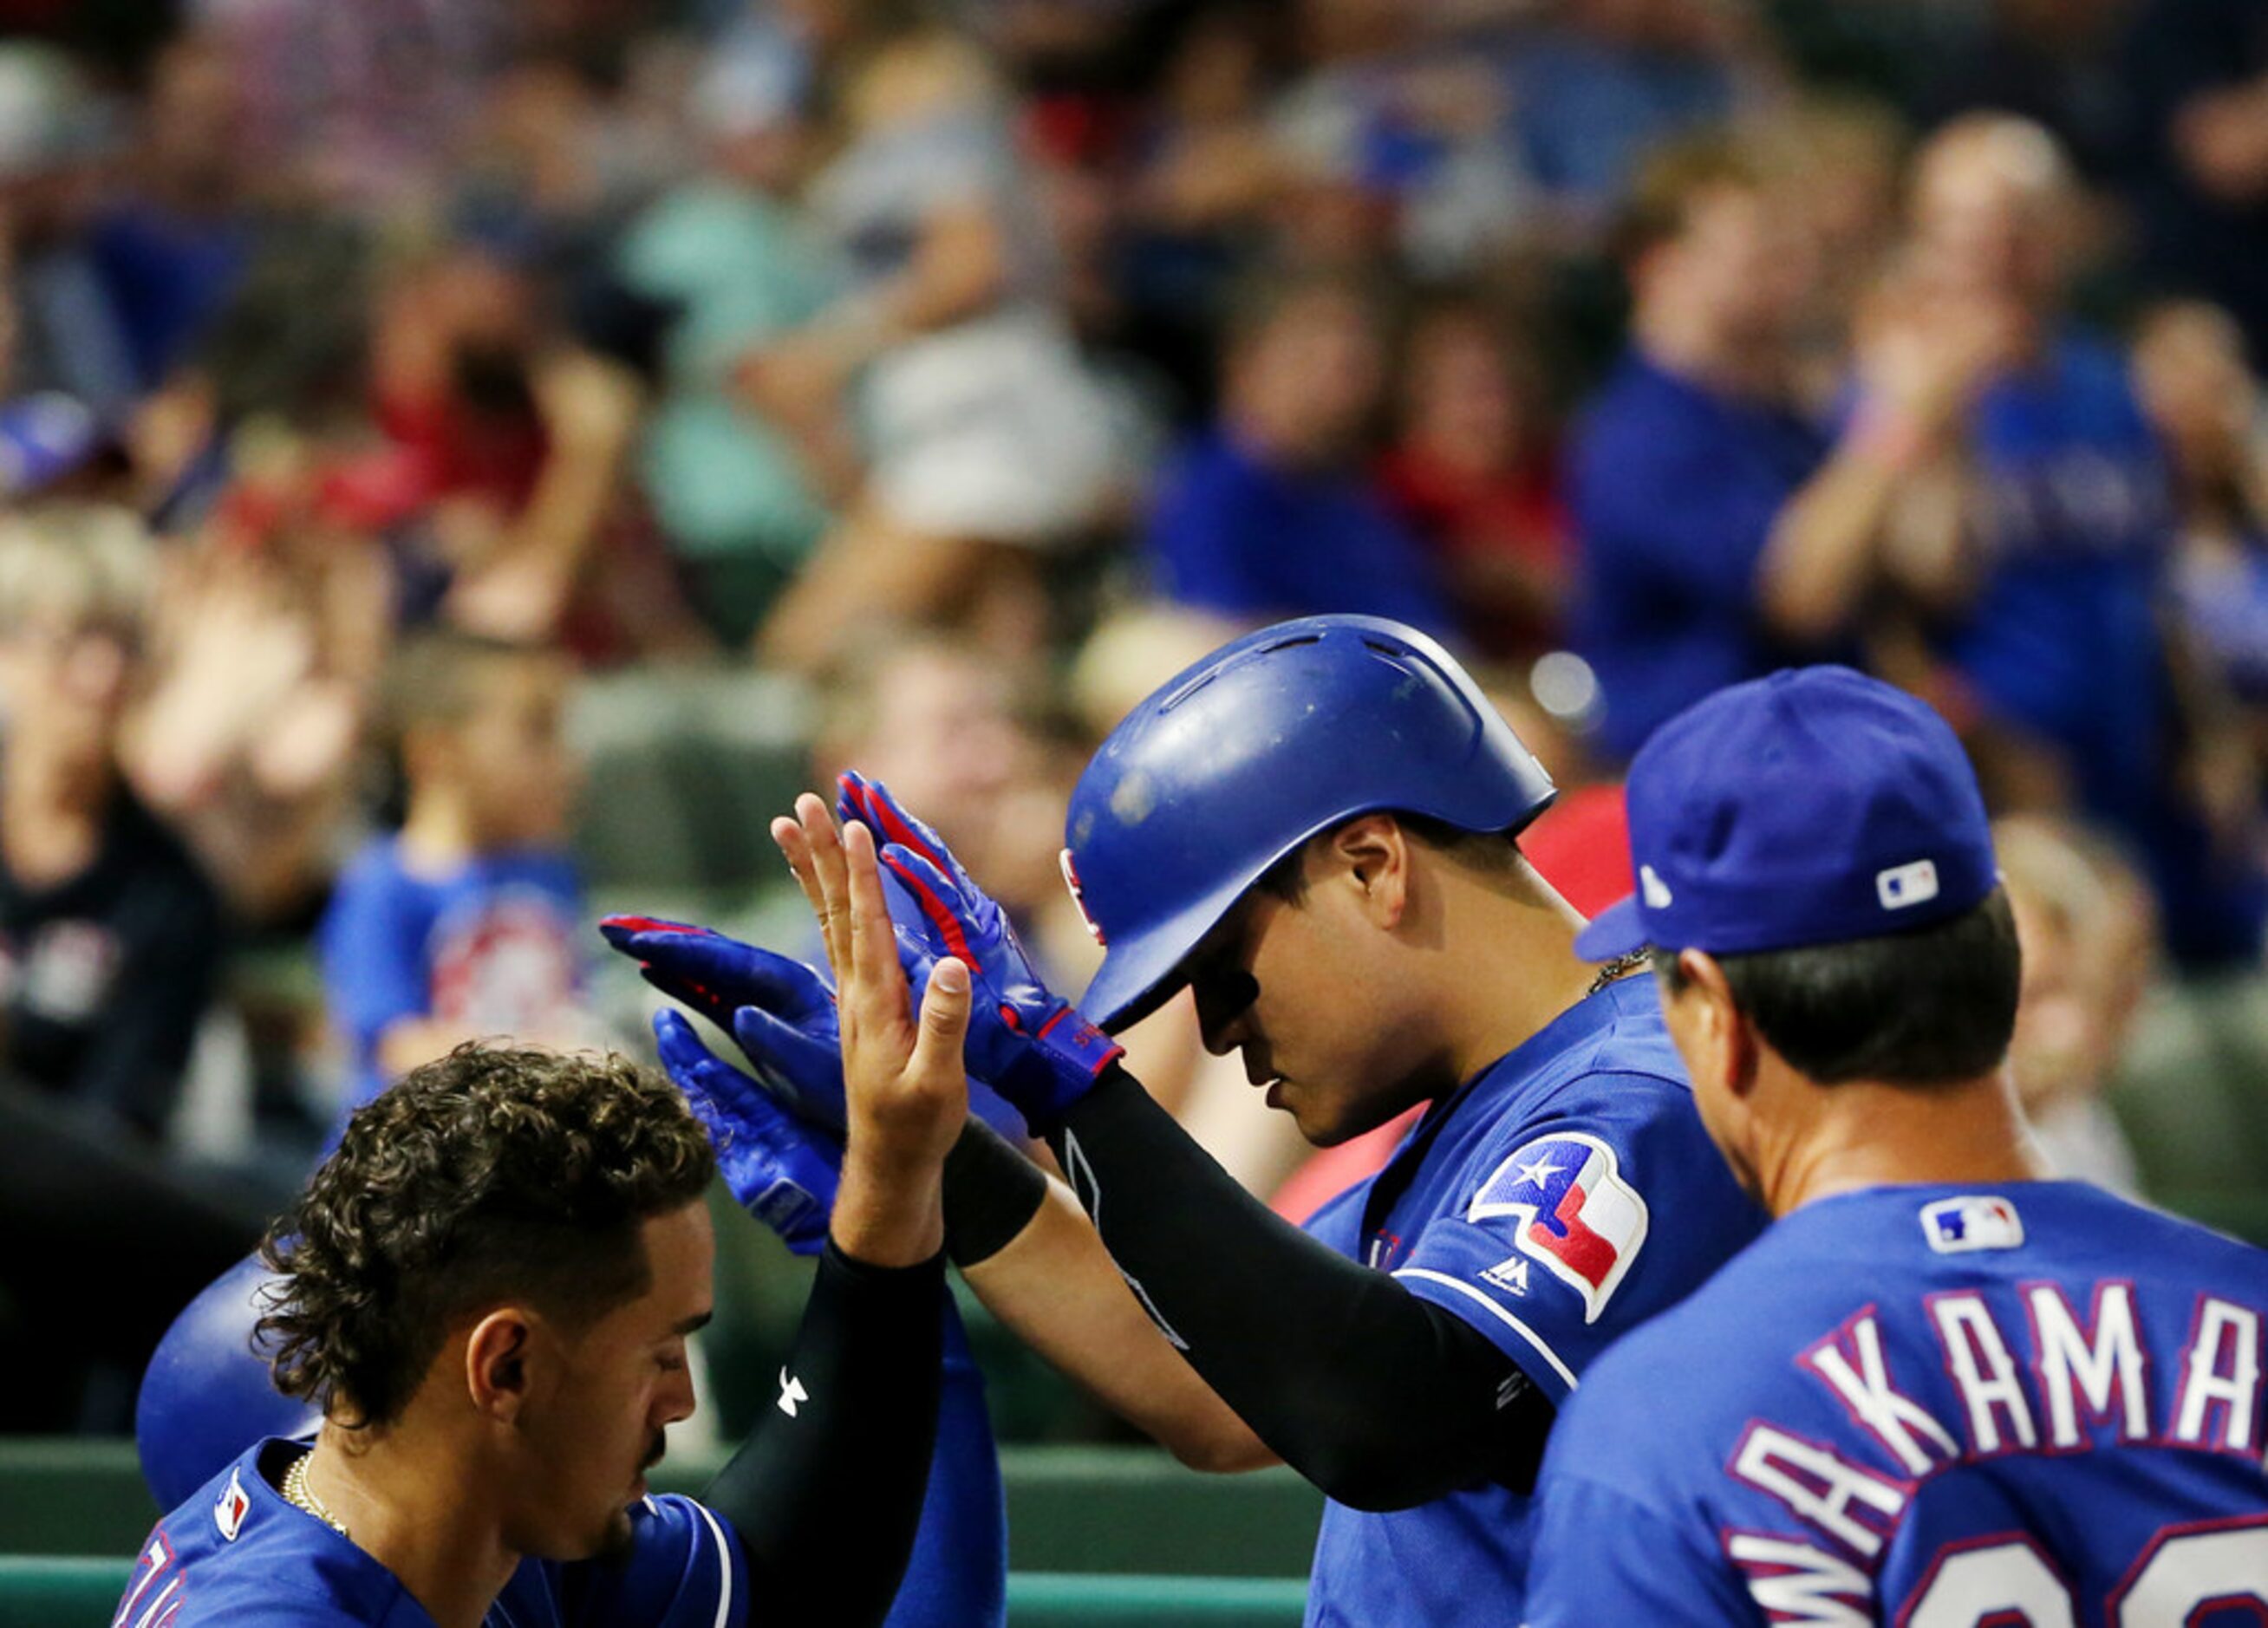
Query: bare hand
[903, 1077]
[1929, 356]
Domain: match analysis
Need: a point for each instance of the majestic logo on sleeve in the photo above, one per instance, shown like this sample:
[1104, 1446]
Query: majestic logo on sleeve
[1573, 1212]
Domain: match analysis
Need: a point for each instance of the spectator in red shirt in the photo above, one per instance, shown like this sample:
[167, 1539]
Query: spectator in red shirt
[1471, 473]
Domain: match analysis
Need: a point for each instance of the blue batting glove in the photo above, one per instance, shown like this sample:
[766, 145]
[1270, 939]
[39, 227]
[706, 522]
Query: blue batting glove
[780, 1170]
[1028, 1043]
[781, 1011]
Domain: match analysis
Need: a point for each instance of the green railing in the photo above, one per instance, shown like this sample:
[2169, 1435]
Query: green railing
[77, 1591]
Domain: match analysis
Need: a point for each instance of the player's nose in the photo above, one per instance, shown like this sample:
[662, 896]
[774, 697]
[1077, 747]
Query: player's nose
[1224, 1004]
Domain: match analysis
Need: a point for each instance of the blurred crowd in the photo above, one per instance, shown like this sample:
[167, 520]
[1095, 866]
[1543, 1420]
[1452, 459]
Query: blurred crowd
[395, 397]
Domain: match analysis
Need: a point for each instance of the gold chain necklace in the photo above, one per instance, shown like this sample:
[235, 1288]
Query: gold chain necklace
[298, 1494]
[1620, 967]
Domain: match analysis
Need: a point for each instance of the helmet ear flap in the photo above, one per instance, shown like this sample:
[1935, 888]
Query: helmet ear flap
[1236, 762]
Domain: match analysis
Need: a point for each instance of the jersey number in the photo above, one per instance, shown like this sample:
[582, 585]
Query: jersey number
[2181, 1572]
[156, 1595]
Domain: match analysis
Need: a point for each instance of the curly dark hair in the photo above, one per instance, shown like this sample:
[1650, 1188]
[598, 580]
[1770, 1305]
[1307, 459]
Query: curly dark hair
[494, 1174]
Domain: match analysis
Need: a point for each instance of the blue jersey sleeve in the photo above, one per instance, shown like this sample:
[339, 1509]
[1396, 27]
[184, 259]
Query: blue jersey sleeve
[1549, 1244]
[685, 1569]
[1536, 1253]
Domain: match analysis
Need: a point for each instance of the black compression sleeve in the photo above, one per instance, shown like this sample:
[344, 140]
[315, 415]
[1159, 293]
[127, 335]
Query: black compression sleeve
[827, 1493]
[1381, 1399]
[991, 1193]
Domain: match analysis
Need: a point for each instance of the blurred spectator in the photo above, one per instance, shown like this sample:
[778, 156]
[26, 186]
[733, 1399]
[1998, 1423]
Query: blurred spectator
[557, 161]
[511, 444]
[983, 439]
[957, 734]
[1611, 81]
[110, 937]
[1471, 470]
[1271, 512]
[469, 921]
[1205, 169]
[2089, 939]
[2205, 403]
[271, 630]
[2198, 73]
[2053, 62]
[60, 332]
[728, 255]
[945, 720]
[1395, 143]
[1839, 164]
[360, 104]
[2064, 661]
[1720, 532]
[173, 242]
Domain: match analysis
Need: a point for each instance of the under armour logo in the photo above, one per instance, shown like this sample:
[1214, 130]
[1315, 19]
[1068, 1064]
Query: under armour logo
[793, 1394]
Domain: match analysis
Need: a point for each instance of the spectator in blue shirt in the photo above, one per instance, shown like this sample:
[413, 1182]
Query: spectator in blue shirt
[470, 921]
[2062, 646]
[1271, 513]
[1720, 532]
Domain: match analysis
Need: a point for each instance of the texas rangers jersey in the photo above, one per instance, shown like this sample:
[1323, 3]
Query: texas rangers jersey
[1565, 1193]
[237, 1553]
[1941, 1407]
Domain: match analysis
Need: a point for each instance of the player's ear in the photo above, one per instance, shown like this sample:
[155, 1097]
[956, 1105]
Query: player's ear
[1374, 851]
[496, 1375]
[1723, 1036]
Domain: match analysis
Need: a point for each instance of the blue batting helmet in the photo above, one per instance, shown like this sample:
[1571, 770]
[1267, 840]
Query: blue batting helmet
[205, 1397]
[1233, 763]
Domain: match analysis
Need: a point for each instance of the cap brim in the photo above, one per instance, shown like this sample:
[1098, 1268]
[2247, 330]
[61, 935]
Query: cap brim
[1139, 973]
[1614, 931]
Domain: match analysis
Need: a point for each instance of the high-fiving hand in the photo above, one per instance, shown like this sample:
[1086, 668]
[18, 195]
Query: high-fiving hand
[905, 1087]
[1024, 1041]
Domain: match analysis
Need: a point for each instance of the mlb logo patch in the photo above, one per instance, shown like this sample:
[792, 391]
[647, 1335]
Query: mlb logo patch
[1573, 1213]
[1903, 887]
[230, 1508]
[1963, 1226]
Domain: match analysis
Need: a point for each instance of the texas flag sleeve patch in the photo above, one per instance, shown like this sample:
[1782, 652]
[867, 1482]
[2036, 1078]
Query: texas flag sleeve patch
[1571, 1213]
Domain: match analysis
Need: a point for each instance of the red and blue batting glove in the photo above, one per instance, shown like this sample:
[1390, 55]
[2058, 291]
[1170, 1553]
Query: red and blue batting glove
[781, 1170]
[1027, 1043]
[781, 1010]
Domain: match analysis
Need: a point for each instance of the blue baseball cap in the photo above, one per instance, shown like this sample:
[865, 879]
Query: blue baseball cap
[1813, 806]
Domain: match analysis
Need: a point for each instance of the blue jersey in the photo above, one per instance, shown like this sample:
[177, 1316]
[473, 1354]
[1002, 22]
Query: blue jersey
[495, 946]
[2063, 639]
[1564, 1194]
[1230, 534]
[237, 1553]
[1675, 488]
[2032, 1403]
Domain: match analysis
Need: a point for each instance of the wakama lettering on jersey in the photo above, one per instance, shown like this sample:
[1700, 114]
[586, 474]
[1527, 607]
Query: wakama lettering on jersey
[2036, 1404]
[2061, 1381]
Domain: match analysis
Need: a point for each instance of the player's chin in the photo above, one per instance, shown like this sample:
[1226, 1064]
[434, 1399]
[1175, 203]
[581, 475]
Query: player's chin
[1322, 1121]
[617, 1540]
